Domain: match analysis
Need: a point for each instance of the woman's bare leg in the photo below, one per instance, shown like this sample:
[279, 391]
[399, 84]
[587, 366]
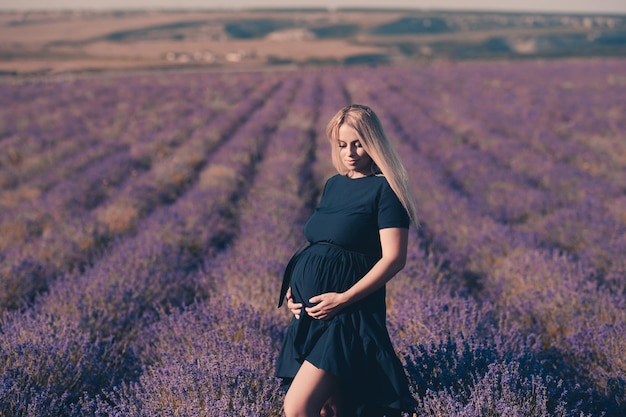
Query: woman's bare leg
[309, 391]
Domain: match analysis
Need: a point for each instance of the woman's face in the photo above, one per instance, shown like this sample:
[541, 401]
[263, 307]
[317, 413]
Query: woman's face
[353, 156]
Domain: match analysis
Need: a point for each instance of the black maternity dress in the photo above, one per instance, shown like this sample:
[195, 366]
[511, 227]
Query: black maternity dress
[354, 345]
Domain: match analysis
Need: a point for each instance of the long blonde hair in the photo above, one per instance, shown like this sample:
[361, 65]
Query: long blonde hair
[377, 145]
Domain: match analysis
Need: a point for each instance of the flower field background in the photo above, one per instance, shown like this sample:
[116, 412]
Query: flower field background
[145, 220]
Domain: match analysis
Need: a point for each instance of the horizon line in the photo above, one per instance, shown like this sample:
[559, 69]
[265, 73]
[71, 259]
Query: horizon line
[306, 9]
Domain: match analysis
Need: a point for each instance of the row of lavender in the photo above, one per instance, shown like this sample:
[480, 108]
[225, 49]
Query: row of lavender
[486, 316]
[553, 155]
[70, 221]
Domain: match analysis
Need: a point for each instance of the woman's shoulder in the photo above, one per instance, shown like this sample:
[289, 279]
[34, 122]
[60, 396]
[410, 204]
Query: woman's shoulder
[381, 178]
[332, 180]
[381, 182]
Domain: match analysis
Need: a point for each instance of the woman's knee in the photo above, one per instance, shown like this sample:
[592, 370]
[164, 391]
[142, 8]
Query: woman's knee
[294, 406]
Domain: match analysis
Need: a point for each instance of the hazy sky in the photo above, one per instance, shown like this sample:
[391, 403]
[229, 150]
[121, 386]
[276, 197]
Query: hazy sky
[574, 6]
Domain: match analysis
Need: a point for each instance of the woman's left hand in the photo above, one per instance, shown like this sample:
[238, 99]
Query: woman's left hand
[326, 305]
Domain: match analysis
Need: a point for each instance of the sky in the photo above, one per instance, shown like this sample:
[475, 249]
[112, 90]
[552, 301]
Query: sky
[562, 6]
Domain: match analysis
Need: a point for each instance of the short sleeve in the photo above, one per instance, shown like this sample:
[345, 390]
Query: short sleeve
[391, 212]
[327, 185]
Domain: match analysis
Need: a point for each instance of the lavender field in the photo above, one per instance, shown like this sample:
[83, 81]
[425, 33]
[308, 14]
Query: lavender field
[145, 220]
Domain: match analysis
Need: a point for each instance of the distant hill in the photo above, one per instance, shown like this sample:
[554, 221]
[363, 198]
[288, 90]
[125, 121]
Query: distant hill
[39, 42]
[415, 25]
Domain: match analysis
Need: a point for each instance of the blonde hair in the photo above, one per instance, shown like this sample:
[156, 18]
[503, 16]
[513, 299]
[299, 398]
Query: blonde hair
[377, 145]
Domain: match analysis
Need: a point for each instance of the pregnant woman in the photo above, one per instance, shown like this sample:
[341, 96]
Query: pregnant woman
[337, 357]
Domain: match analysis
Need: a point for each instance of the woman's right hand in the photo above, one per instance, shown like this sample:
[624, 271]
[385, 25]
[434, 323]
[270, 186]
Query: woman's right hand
[295, 308]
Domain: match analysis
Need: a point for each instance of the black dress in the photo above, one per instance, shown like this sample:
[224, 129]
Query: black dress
[354, 345]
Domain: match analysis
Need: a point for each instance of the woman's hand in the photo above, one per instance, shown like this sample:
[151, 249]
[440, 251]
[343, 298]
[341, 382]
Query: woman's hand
[295, 308]
[326, 305]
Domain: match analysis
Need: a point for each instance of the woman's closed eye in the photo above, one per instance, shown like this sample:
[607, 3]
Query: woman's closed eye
[356, 144]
